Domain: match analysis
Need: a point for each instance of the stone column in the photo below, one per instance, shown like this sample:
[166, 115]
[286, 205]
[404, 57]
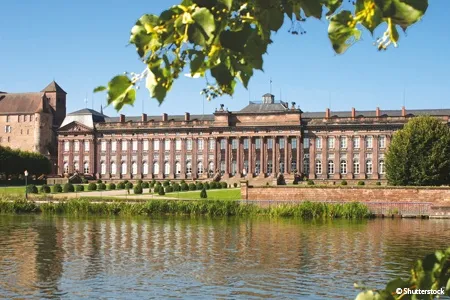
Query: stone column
[312, 158]
[375, 174]
[238, 158]
[217, 157]
[227, 158]
[183, 159]
[251, 167]
[172, 158]
[161, 158]
[119, 158]
[274, 158]
[80, 152]
[61, 157]
[324, 157]
[362, 157]
[205, 157]
[107, 160]
[350, 170]
[262, 157]
[299, 155]
[71, 169]
[129, 156]
[287, 153]
[139, 158]
[92, 161]
[150, 158]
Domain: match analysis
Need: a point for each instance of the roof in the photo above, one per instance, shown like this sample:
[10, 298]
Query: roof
[21, 103]
[84, 116]
[372, 113]
[263, 108]
[53, 87]
[157, 118]
[87, 111]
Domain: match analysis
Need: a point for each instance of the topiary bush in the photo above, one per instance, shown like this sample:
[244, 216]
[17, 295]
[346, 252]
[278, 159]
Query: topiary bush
[92, 187]
[361, 182]
[192, 187]
[101, 187]
[79, 188]
[219, 185]
[138, 189]
[182, 181]
[176, 187]
[378, 183]
[99, 181]
[223, 184]
[153, 181]
[161, 191]
[152, 184]
[32, 189]
[184, 186]
[84, 180]
[140, 181]
[120, 186]
[128, 185]
[213, 185]
[45, 189]
[309, 182]
[166, 183]
[206, 185]
[235, 184]
[57, 188]
[203, 194]
[344, 182]
[68, 188]
[169, 189]
[199, 186]
[111, 186]
[145, 185]
[156, 190]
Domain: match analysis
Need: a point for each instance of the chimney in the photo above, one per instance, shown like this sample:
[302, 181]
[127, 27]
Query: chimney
[327, 113]
[187, 116]
[144, 118]
[293, 105]
[403, 111]
[377, 113]
[164, 117]
[353, 113]
[122, 118]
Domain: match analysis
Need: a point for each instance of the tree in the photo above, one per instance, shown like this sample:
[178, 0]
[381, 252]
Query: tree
[228, 39]
[419, 154]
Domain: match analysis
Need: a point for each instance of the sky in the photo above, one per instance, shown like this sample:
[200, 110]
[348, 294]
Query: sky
[83, 44]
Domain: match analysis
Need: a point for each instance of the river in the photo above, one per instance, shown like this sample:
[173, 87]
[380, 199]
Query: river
[226, 258]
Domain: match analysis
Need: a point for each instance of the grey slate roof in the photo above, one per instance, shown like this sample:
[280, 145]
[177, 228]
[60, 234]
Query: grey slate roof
[263, 108]
[87, 111]
[158, 118]
[372, 113]
[53, 87]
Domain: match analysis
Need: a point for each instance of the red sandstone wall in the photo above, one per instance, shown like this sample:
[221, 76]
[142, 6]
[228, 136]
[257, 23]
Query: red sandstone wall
[437, 196]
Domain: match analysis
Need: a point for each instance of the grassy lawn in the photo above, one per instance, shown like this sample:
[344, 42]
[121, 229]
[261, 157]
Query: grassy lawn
[225, 194]
[12, 190]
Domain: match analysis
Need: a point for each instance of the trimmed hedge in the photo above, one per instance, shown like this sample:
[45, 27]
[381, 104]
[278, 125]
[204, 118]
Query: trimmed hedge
[138, 189]
[79, 188]
[223, 184]
[310, 182]
[166, 183]
[176, 187]
[161, 191]
[206, 185]
[361, 182]
[111, 186]
[235, 184]
[192, 186]
[120, 186]
[32, 189]
[68, 188]
[343, 182]
[213, 185]
[92, 186]
[184, 186]
[45, 189]
[101, 187]
[199, 186]
[203, 194]
[156, 189]
[169, 189]
[57, 188]
[128, 185]
[145, 185]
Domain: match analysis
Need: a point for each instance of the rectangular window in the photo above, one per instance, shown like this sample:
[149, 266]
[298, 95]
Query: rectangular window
[200, 144]
[223, 144]
[167, 145]
[66, 146]
[330, 142]
[7, 118]
[234, 144]
[76, 146]
[135, 145]
[124, 145]
[211, 144]
[113, 146]
[189, 145]
[382, 142]
[369, 142]
[31, 118]
[103, 146]
[282, 143]
[305, 143]
[294, 143]
[318, 143]
[156, 145]
[178, 145]
[245, 144]
[269, 143]
[18, 118]
[8, 128]
[86, 146]
[343, 142]
[145, 145]
[258, 142]
[356, 142]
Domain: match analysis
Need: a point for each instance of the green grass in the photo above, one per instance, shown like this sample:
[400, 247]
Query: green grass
[222, 194]
[12, 190]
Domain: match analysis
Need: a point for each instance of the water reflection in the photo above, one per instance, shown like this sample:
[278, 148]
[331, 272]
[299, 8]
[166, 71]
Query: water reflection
[58, 257]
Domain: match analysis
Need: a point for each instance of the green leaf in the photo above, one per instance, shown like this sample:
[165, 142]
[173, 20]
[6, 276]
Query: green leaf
[235, 40]
[205, 21]
[311, 8]
[227, 3]
[341, 35]
[276, 19]
[205, 3]
[222, 74]
[373, 21]
[403, 12]
[197, 62]
[100, 89]
[121, 91]
[332, 5]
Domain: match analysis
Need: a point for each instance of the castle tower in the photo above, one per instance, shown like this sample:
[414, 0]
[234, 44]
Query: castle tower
[57, 100]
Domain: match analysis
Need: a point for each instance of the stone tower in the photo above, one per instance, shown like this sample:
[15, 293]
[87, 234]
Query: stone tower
[57, 100]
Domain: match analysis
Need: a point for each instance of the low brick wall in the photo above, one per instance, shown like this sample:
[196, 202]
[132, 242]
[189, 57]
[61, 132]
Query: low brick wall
[437, 196]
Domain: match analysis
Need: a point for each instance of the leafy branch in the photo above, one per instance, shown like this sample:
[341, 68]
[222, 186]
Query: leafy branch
[228, 39]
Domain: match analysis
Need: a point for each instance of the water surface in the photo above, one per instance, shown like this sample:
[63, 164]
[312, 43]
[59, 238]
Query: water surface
[61, 257]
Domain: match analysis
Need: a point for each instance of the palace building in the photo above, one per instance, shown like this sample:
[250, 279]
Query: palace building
[261, 140]
[29, 121]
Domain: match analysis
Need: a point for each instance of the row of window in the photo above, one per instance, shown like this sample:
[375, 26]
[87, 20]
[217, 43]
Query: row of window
[343, 142]
[7, 139]
[76, 146]
[343, 167]
[21, 118]
[8, 129]
[145, 168]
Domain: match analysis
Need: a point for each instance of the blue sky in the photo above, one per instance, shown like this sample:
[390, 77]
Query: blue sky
[82, 44]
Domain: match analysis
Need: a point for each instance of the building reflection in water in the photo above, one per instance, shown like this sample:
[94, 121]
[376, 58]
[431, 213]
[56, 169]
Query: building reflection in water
[50, 257]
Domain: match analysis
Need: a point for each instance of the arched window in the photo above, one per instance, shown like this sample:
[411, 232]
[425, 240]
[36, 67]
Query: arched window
[145, 168]
[123, 169]
[76, 166]
[188, 168]
[113, 168]
[200, 168]
[177, 168]
[369, 167]
[381, 167]
[102, 168]
[66, 167]
[155, 168]
[343, 166]
[356, 166]
[166, 168]
[86, 167]
[318, 166]
[330, 167]
[134, 168]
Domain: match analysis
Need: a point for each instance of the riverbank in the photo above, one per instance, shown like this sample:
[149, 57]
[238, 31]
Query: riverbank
[303, 210]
